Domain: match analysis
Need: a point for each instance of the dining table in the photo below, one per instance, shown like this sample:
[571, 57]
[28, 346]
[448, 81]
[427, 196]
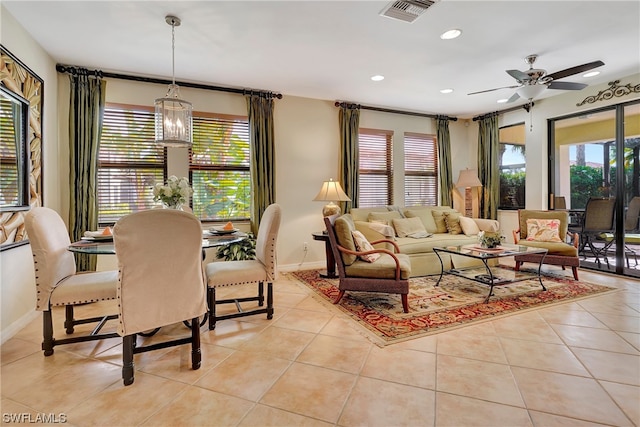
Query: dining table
[103, 245]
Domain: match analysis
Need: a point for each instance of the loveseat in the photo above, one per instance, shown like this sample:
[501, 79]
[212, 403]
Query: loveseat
[417, 230]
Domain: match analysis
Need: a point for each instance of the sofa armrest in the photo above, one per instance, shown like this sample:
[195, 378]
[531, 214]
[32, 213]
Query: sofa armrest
[490, 225]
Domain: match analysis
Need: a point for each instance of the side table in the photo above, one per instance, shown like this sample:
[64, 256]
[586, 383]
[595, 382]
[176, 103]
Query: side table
[331, 261]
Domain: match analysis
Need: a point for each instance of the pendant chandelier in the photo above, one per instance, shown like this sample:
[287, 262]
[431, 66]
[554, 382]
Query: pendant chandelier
[173, 115]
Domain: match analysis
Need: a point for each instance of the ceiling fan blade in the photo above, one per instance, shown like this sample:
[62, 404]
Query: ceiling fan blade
[513, 98]
[518, 75]
[491, 90]
[575, 70]
[567, 85]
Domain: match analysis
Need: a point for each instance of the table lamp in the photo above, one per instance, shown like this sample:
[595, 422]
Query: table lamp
[331, 192]
[468, 179]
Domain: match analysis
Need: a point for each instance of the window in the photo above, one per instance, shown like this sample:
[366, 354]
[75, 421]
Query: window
[129, 163]
[512, 167]
[420, 170]
[219, 167]
[375, 172]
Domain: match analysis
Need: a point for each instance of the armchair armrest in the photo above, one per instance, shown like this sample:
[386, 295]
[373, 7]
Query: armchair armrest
[516, 236]
[374, 251]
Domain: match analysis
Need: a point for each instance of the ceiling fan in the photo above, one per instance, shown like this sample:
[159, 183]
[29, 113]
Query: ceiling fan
[534, 81]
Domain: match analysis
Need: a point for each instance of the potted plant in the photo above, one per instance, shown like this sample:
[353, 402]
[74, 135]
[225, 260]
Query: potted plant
[240, 251]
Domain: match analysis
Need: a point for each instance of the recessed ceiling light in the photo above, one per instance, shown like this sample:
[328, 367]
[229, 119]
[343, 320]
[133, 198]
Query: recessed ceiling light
[502, 101]
[591, 74]
[446, 91]
[377, 78]
[451, 34]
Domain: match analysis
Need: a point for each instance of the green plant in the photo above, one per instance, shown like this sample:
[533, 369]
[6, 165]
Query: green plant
[240, 251]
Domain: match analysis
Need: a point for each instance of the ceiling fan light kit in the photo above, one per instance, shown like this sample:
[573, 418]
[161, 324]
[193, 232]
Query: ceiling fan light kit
[534, 81]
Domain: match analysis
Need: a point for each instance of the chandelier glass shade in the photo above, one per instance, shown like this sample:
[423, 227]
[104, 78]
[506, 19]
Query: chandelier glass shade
[173, 116]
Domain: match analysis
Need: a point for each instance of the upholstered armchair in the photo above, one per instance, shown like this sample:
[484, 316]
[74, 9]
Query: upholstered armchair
[548, 230]
[58, 283]
[160, 280]
[367, 269]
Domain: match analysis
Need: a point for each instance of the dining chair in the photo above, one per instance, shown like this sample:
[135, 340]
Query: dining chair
[59, 284]
[263, 268]
[160, 280]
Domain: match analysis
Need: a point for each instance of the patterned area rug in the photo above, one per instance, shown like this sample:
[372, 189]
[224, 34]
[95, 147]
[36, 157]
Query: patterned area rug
[454, 303]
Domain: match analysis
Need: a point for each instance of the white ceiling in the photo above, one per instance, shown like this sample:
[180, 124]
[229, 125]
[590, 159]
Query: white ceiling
[330, 49]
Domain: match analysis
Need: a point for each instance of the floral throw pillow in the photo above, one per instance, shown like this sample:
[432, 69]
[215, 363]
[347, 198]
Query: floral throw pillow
[363, 245]
[543, 230]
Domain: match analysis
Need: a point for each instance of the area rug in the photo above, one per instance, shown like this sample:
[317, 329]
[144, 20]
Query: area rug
[454, 303]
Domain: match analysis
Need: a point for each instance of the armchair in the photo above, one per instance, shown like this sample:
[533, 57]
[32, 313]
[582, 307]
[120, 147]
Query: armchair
[389, 273]
[559, 252]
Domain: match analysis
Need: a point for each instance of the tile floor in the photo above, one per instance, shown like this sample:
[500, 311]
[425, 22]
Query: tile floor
[576, 364]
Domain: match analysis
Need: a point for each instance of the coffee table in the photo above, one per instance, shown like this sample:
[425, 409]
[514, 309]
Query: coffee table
[485, 255]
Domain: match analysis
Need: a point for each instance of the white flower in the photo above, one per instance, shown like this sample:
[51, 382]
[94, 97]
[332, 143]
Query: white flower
[174, 193]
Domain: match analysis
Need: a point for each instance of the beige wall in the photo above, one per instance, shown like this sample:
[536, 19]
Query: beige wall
[307, 150]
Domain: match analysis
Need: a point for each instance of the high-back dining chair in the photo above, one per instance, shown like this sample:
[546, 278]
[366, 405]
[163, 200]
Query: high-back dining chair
[58, 283]
[260, 270]
[160, 280]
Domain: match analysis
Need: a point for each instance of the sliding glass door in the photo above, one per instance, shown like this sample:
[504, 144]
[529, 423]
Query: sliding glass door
[596, 154]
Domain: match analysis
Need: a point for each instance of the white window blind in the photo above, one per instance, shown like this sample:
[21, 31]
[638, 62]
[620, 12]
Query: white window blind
[219, 167]
[129, 163]
[420, 170]
[8, 155]
[375, 170]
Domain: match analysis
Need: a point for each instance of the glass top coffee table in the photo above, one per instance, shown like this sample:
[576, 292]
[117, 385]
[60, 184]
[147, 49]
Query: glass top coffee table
[486, 275]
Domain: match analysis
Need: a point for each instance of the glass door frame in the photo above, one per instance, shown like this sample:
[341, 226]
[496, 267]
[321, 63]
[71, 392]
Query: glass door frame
[620, 176]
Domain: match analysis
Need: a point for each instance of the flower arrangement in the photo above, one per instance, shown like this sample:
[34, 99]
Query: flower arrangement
[489, 240]
[174, 193]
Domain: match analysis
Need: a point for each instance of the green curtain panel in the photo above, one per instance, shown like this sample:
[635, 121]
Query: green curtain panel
[263, 160]
[86, 110]
[488, 166]
[444, 160]
[349, 122]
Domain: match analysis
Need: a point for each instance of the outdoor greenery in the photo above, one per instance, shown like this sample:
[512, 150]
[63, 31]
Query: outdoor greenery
[512, 189]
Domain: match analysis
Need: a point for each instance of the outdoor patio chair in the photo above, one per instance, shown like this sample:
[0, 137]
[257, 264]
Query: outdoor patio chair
[599, 215]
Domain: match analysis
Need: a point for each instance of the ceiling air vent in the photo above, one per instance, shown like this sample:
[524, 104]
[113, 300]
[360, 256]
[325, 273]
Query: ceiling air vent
[406, 10]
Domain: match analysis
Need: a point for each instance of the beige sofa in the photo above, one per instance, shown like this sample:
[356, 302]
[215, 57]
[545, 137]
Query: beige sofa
[434, 219]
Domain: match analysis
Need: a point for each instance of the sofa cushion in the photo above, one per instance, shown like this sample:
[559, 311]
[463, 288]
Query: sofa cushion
[543, 230]
[425, 216]
[363, 245]
[384, 217]
[407, 226]
[343, 227]
[418, 246]
[452, 222]
[438, 217]
[469, 226]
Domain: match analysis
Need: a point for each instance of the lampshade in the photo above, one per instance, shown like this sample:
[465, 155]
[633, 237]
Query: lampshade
[173, 117]
[530, 91]
[331, 192]
[468, 178]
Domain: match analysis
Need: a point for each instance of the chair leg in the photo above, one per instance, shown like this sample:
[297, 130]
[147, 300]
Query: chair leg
[68, 319]
[128, 343]
[196, 355]
[260, 294]
[518, 264]
[405, 303]
[339, 297]
[47, 333]
[575, 272]
[211, 302]
[269, 300]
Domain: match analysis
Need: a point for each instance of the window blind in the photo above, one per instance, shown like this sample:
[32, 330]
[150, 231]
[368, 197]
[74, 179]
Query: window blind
[376, 169]
[421, 170]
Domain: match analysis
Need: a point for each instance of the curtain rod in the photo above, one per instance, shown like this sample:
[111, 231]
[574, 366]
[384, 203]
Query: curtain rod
[388, 110]
[74, 70]
[527, 107]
